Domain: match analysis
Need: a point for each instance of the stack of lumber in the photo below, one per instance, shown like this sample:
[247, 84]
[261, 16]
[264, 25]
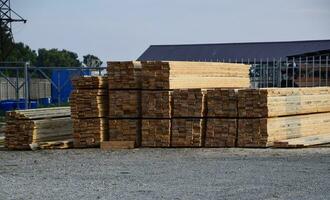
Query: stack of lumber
[208, 75]
[221, 124]
[273, 102]
[188, 123]
[283, 117]
[89, 111]
[124, 84]
[38, 126]
[177, 75]
[161, 104]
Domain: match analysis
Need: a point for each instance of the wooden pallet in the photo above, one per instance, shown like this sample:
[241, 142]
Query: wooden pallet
[114, 145]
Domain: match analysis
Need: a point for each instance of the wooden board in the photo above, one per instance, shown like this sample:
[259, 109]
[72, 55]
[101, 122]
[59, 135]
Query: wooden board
[187, 132]
[156, 133]
[222, 103]
[113, 145]
[125, 130]
[90, 82]
[303, 141]
[90, 132]
[220, 132]
[263, 132]
[272, 102]
[155, 104]
[208, 75]
[125, 103]
[155, 75]
[188, 103]
[37, 126]
[89, 103]
[124, 75]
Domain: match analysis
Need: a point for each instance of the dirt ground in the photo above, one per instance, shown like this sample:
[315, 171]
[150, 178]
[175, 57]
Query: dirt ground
[166, 174]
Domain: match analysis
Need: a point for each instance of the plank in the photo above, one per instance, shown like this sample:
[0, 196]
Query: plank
[263, 132]
[37, 126]
[273, 102]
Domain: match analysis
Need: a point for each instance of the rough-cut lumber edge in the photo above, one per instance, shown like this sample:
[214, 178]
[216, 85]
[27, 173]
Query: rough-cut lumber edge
[113, 145]
[303, 141]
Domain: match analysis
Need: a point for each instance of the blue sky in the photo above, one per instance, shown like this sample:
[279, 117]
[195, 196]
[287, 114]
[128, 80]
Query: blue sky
[123, 29]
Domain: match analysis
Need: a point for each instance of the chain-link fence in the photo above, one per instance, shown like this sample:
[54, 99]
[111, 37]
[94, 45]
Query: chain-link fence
[27, 86]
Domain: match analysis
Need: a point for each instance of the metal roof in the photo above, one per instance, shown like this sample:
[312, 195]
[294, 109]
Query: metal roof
[233, 51]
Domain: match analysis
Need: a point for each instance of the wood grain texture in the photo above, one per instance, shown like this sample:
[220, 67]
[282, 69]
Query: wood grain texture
[188, 103]
[221, 132]
[187, 132]
[156, 132]
[273, 102]
[37, 126]
[263, 132]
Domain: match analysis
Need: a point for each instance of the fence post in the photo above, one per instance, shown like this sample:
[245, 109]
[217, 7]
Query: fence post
[26, 79]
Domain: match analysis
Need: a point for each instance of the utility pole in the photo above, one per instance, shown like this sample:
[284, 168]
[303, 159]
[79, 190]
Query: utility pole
[7, 17]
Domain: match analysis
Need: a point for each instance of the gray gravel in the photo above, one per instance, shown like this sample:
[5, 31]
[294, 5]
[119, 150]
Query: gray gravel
[166, 174]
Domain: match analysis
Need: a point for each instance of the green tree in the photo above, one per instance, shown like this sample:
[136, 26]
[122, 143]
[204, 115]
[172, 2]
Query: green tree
[57, 58]
[22, 53]
[92, 61]
[6, 42]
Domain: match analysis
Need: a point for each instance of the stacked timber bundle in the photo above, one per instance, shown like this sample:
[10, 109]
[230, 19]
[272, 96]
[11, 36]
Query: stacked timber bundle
[264, 132]
[208, 75]
[188, 123]
[38, 128]
[221, 132]
[221, 124]
[278, 116]
[89, 111]
[145, 110]
[125, 84]
[273, 102]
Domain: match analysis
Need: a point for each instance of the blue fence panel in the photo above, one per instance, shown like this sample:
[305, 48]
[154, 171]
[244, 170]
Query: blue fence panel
[62, 79]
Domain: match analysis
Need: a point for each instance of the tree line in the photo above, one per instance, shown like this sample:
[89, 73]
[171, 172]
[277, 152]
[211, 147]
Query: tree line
[20, 52]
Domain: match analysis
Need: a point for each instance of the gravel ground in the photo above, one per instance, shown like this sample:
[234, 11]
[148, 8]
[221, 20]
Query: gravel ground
[166, 174]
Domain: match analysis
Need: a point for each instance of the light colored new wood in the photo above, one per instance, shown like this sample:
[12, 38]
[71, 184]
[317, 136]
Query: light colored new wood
[264, 132]
[37, 126]
[272, 102]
